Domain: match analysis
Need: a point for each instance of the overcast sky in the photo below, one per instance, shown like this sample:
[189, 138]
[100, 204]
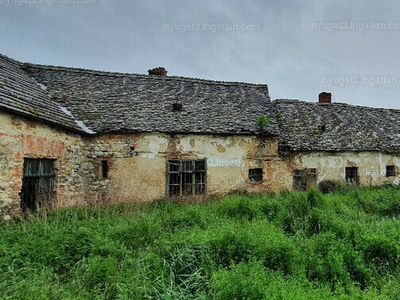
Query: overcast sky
[299, 48]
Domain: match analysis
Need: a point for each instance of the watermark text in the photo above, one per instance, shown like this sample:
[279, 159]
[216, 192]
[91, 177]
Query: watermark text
[46, 2]
[207, 27]
[356, 26]
[361, 80]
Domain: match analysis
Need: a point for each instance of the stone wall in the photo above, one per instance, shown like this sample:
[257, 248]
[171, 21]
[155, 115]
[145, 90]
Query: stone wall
[21, 138]
[137, 163]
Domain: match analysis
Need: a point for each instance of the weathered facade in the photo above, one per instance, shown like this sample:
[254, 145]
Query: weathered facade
[21, 139]
[142, 174]
[75, 137]
[341, 142]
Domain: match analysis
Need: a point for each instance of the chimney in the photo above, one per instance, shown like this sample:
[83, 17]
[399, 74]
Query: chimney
[325, 97]
[159, 71]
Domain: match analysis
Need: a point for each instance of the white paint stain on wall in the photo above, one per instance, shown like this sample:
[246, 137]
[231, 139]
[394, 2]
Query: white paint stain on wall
[217, 162]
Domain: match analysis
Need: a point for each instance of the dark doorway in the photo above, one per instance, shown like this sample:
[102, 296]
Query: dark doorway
[304, 179]
[38, 184]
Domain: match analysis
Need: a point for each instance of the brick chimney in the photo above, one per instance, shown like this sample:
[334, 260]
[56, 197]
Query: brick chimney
[159, 71]
[325, 97]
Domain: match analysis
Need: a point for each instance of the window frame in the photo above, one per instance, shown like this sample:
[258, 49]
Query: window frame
[252, 177]
[347, 171]
[39, 179]
[187, 172]
[391, 172]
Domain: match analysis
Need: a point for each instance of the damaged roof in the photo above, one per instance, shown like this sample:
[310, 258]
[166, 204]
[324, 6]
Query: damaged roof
[306, 126]
[118, 102]
[23, 95]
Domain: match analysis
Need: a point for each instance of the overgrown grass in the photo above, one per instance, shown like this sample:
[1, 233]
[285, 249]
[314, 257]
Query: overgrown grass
[286, 246]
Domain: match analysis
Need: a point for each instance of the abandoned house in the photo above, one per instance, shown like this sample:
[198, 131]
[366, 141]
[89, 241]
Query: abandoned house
[71, 136]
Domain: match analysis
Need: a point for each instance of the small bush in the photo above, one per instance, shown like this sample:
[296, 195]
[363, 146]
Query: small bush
[262, 121]
[329, 186]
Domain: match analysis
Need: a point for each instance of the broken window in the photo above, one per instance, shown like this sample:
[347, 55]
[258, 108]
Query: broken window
[256, 175]
[390, 171]
[304, 179]
[38, 184]
[186, 177]
[352, 175]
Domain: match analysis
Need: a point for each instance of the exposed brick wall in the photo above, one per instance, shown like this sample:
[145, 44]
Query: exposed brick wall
[22, 138]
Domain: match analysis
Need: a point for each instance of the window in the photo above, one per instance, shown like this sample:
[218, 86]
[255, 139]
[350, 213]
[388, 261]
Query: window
[303, 179]
[177, 107]
[390, 171]
[104, 169]
[38, 183]
[186, 177]
[352, 175]
[256, 175]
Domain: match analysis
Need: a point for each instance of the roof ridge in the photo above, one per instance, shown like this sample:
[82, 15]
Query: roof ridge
[333, 104]
[10, 59]
[122, 74]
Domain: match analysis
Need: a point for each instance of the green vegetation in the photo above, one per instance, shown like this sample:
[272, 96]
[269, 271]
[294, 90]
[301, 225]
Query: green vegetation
[262, 121]
[342, 245]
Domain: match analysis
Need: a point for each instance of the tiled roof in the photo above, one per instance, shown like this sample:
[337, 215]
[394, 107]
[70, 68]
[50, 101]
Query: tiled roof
[117, 102]
[307, 126]
[23, 95]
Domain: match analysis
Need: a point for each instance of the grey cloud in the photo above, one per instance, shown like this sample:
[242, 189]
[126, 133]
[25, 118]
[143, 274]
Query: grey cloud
[287, 53]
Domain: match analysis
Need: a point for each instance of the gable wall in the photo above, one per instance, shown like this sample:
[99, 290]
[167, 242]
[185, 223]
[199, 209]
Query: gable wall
[22, 138]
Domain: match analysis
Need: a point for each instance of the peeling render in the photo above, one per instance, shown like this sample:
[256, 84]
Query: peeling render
[106, 137]
[137, 163]
[142, 176]
[331, 165]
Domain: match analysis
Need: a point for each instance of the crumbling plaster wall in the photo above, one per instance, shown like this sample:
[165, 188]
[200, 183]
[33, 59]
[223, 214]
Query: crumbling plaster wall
[331, 165]
[20, 138]
[137, 163]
